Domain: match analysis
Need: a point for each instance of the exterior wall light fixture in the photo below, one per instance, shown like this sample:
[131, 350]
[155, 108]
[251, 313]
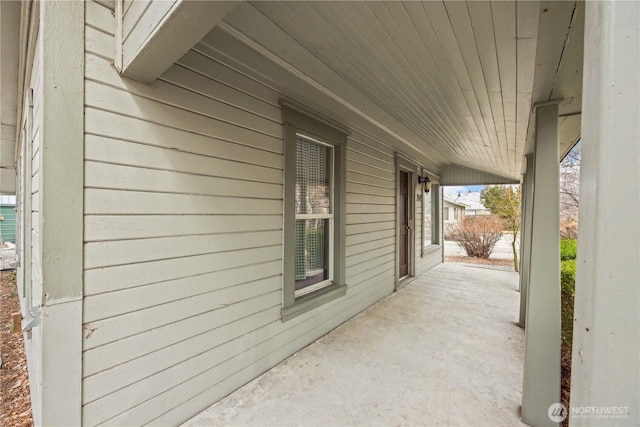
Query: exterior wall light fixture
[426, 181]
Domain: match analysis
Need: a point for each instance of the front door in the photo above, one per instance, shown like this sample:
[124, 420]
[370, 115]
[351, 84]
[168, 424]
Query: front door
[403, 232]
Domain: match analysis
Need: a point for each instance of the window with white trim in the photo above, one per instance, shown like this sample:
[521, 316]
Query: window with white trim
[314, 207]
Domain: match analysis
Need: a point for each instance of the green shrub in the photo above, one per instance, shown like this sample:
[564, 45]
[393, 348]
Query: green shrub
[567, 289]
[568, 276]
[568, 249]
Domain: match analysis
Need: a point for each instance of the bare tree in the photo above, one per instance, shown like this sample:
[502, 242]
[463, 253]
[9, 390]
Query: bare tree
[504, 201]
[570, 192]
[478, 235]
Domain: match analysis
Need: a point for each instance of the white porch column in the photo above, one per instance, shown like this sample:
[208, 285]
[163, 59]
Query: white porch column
[606, 338]
[541, 384]
[61, 210]
[525, 237]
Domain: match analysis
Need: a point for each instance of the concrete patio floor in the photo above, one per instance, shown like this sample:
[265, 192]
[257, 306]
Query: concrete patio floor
[444, 350]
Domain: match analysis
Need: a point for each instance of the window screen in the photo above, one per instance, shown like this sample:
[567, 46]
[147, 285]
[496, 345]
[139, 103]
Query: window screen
[314, 215]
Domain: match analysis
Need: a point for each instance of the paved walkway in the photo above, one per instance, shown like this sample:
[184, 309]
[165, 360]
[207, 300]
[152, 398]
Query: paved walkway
[443, 351]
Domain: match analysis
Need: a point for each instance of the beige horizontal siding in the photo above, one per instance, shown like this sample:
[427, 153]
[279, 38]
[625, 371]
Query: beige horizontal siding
[255, 165]
[223, 369]
[134, 178]
[113, 125]
[100, 16]
[103, 306]
[104, 228]
[360, 248]
[99, 43]
[183, 233]
[29, 274]
[36, 184]
[369, 227]
[355, 239]
[110, 4]
[118, 277]
[137, 369]
[123, 252]
[202, 60]
[112, 356]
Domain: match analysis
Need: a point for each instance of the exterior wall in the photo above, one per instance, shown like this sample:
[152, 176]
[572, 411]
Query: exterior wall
[34, 346]
[476, 212]
[29, 239]
[455, 212]
[49, 238]
[139, 21]
[183, 235]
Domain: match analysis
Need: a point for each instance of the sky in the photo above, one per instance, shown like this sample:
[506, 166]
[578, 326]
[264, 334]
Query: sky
[454, 190]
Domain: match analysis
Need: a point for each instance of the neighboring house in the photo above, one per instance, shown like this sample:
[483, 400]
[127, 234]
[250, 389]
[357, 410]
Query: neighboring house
[452, 213]
[8, 219]
[205, 188]
[473, 203]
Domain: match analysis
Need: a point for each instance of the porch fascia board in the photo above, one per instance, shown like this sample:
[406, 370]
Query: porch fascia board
[184, 25]
[461, 175]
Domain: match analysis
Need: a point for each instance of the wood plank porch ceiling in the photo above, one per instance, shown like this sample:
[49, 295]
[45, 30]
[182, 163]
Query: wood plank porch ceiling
[459, 75]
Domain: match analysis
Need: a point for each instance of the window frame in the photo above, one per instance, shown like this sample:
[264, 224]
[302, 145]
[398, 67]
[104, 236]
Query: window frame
[436, 206]
[299, 121]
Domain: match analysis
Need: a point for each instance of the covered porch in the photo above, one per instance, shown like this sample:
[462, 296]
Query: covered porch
[174, 108]
[444, 350]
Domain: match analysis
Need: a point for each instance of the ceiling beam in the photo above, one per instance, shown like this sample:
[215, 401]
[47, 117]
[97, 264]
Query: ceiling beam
[175, 32]
[554, 27]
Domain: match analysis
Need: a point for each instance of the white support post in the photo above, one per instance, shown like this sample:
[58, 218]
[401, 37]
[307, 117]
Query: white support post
[605, 374]
[541, 384]
[525, 237]
[9, 50]
[62, 179]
